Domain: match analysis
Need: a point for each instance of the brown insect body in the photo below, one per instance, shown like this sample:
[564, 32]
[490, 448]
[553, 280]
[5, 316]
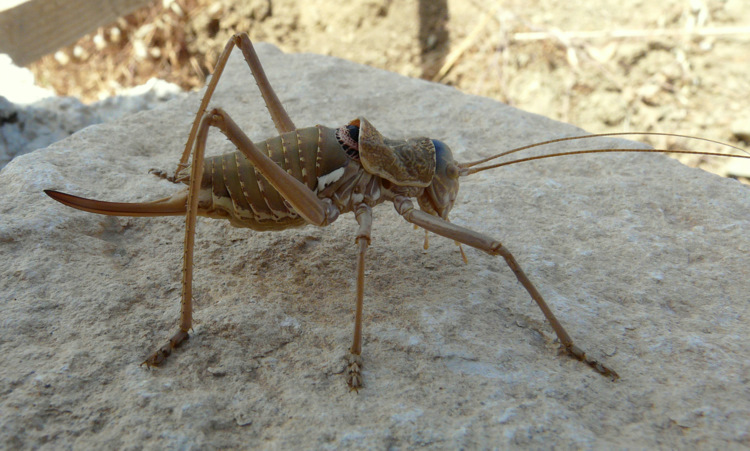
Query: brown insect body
[231, 187]
[325, 160]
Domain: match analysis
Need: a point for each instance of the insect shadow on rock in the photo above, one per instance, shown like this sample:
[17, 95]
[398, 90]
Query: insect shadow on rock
[311, 176]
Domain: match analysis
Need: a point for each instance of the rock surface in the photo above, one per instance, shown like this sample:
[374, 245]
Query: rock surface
[644, 261]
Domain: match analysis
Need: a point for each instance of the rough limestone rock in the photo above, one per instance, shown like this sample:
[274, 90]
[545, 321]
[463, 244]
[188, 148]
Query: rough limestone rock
[644, 260]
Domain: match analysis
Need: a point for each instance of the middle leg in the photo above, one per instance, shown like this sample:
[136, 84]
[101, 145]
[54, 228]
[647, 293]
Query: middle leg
[363, 214]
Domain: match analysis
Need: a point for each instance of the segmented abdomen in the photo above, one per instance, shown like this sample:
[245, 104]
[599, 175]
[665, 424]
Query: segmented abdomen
[232, 188]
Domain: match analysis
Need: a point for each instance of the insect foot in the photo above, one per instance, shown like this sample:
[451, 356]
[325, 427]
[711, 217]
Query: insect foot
[161, 355]
[577, 353]
[165, 175]
[353, 374]
[159, 173]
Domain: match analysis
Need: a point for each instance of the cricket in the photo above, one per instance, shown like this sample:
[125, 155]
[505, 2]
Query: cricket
[311, 176]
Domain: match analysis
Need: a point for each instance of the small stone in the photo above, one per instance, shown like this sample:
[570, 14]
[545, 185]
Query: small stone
[217, 371]
[738, 168]
[741, 129]
[62, 57]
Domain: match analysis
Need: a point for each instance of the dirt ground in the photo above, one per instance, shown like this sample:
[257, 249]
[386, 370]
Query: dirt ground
[664, 76]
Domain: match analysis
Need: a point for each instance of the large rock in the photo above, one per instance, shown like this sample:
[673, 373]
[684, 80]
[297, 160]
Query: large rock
[644, 260]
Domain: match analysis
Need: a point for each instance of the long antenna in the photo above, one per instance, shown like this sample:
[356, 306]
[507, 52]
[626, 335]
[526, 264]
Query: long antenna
[468, 171]
[600, 135]
[465, 167]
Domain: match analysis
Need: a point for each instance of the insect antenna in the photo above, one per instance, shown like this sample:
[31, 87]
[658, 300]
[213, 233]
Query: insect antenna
[469, 168]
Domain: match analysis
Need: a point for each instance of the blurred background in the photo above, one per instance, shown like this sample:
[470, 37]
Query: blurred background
[678, 66]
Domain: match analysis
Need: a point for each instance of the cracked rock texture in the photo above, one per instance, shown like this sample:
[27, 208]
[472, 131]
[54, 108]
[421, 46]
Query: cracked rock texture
[644, 260]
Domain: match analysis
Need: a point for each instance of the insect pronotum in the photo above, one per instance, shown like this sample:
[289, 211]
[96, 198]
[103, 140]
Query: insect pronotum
[311, 176]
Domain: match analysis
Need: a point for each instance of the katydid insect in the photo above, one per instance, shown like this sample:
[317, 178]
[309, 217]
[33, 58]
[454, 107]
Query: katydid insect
[311, 176]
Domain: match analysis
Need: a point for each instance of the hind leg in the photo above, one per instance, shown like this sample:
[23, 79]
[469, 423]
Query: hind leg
[280, 117]
[300, 197]
[186, 306]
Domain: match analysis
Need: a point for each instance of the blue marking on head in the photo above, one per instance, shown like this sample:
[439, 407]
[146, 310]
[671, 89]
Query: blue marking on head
[438, 198]
[442, 156]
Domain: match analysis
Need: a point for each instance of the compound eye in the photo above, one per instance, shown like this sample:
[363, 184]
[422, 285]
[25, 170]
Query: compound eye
[443, 156]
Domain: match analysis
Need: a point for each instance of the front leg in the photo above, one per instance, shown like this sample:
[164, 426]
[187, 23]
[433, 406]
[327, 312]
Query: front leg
[482, 242]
